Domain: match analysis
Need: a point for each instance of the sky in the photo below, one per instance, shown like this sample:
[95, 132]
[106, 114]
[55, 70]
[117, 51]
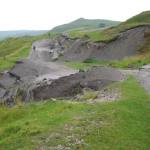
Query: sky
[46, 14]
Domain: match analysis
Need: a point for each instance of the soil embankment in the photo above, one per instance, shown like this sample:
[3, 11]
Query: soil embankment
[42, 77]
[127, 44]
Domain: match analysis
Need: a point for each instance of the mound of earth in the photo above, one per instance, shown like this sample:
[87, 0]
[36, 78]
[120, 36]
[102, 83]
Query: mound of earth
[67, 49]
[68, 86]
[28, 73]
[40, 84]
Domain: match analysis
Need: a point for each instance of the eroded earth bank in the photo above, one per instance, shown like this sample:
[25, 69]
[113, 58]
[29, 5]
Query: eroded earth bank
[43, 74]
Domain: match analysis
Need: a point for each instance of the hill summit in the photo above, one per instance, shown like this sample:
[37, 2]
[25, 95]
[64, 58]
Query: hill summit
[83, 23]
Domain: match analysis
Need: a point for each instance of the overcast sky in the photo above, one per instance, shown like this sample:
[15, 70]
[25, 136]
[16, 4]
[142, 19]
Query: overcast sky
[45, 14]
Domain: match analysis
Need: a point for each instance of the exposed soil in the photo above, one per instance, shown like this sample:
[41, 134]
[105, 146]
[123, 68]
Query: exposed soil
[39, 78]
[67, 86]
[42, 77]
[127, 44]
[27, 73]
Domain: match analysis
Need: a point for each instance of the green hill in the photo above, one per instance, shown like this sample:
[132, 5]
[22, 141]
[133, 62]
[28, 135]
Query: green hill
[85, 24]
[123, 124]
[111, 33]
[142, 18]
[13, 49]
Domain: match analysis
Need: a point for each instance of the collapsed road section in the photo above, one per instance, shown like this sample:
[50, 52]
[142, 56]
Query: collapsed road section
[39, 85]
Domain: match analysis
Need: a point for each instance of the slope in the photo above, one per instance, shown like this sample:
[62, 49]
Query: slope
[13, 49]
[82, 23]
[112, 33]
[59, 124]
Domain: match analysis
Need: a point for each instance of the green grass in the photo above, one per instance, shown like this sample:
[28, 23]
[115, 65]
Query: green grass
[86, 64]
[116, 125]
[8, 61]
[106, 35]
[88, 95]
[13, 49]
[141, 18]
[133, 62]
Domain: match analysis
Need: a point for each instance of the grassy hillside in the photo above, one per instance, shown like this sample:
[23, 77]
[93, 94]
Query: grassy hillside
[142, 18]
[111, 33]
[84, 24]
[133, 62]
[13, 49]
[122, 124]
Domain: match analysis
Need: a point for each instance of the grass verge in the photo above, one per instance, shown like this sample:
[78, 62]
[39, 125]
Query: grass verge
[134, 62]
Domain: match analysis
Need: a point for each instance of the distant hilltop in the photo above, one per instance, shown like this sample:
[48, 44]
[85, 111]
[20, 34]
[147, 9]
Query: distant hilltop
[84, 24]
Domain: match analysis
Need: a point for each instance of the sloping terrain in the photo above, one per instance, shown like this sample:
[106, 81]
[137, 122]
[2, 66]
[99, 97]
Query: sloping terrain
[135, 57]
[13, 49]
[127, 44]
[112, 33]
[28, 71]
[82, 118]
[142, 18]
[38, 78]
[40, 75]
[83, 24]
[68, 125]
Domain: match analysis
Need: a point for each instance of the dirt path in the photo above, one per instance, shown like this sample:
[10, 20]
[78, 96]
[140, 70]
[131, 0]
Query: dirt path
[39, 67]
[142, 75]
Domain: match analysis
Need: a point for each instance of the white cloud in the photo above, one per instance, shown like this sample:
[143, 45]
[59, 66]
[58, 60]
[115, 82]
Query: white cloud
[45, 14]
